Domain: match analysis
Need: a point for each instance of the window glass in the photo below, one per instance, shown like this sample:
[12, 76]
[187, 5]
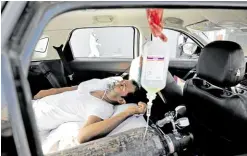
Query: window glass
[41, 49]
[42, 45]
[108, 42]
[235, 35]
[180, 45]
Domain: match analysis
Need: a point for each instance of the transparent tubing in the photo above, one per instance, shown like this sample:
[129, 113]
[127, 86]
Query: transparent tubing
[151, 97]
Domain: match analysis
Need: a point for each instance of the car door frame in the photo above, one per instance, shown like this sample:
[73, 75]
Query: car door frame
[20, 41]
[11, 82]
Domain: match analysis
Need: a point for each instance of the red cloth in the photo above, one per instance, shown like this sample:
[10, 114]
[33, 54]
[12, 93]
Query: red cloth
[155, 21]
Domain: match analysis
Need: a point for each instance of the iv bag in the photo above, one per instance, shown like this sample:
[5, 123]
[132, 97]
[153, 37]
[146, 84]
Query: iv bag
[155, 66]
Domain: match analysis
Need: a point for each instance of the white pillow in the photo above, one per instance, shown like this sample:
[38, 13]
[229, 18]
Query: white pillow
[130, 123]
[116, 78]
[134, 72]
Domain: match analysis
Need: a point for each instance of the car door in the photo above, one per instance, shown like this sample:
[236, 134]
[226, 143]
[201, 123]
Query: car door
[16, 133]
[41, 66]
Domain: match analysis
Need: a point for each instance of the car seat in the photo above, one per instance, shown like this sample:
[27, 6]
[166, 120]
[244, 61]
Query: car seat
[218, 116]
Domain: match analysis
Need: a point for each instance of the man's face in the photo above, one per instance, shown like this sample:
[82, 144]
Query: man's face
[124, 87]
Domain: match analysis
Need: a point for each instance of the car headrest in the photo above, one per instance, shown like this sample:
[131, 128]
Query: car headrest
[222, 63]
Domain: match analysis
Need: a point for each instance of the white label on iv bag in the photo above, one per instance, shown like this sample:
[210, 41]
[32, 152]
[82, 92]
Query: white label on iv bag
[155, 67]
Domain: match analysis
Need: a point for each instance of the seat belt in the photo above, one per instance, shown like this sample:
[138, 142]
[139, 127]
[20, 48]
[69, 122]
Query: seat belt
[67, 68]
[49, 75]
[63, 74]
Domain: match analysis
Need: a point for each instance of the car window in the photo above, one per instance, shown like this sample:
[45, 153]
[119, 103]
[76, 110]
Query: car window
[42, 45]
[41, 49]
[235, 35]
[107, 42]
[180, 45]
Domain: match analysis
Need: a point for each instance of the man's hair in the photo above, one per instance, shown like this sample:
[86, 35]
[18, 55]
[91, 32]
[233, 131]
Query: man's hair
[131, 97]
[136, 85]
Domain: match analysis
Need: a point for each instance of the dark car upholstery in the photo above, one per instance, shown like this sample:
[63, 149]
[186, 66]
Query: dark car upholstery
[217, 115]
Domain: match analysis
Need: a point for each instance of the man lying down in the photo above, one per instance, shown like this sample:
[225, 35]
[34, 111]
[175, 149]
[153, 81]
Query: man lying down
[90, 103]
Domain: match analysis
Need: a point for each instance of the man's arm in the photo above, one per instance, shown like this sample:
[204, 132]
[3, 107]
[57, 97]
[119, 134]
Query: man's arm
[102, 128]
[52, 91]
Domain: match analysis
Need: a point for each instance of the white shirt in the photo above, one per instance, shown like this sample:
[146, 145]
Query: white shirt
[77, 105]
[64, 140]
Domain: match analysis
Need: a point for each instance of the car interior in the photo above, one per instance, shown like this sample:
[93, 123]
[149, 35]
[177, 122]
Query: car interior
[212, 69]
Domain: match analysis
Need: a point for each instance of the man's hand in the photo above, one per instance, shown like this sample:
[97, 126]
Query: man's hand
[44, 93]
[140, 109]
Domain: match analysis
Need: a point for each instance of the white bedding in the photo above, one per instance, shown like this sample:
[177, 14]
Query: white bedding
[67, 132]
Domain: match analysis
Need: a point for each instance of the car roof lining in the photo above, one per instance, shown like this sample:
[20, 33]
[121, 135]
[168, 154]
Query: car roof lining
[124, 17]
